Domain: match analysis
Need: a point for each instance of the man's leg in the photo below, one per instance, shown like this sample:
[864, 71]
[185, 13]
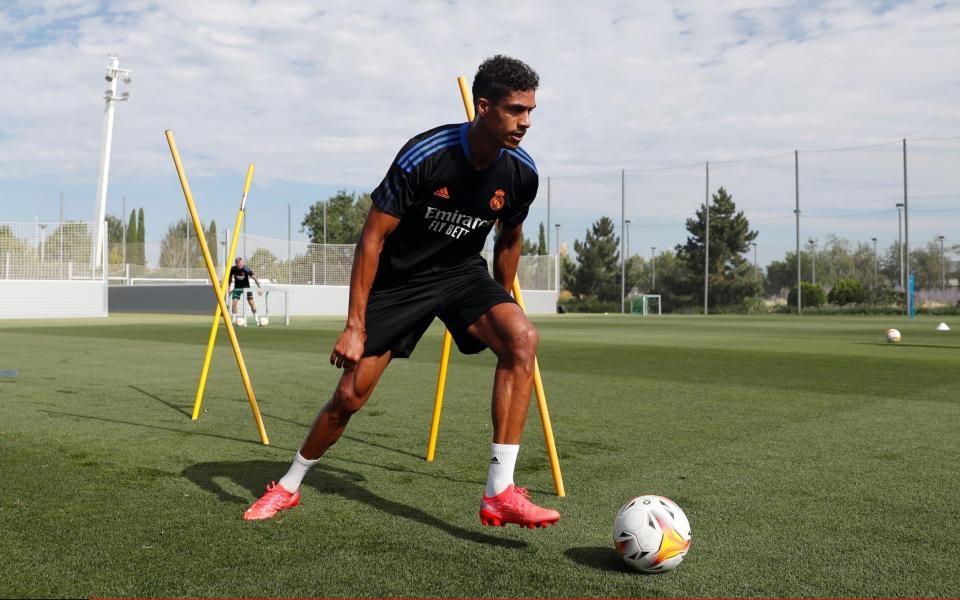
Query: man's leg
[253, 307]
[353, 390]
[506, 330]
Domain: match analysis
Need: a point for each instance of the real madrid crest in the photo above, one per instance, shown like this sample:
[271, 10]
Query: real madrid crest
[498, 200]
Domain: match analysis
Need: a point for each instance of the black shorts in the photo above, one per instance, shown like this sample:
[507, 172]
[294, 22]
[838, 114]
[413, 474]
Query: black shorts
[397, 317]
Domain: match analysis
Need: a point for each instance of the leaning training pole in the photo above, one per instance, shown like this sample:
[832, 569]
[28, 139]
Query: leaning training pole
[217, 290]
[214, 328]
[537, 381]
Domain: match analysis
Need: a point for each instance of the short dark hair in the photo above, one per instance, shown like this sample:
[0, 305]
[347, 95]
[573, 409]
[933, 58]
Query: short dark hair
[499, 76]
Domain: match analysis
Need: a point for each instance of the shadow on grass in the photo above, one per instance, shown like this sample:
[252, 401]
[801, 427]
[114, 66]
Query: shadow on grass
[908, 345]
[602, 558]
[253, 474]
[57, 413]
[162, 401]
[392, 468]
[347, 437]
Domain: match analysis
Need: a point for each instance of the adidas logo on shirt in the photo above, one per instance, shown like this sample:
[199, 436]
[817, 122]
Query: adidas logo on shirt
[442, 193]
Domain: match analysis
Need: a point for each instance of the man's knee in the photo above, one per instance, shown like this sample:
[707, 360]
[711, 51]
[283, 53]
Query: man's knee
[348, 398]
[522, 345]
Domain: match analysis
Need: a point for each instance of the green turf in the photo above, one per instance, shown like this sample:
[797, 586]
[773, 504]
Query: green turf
[812, 459]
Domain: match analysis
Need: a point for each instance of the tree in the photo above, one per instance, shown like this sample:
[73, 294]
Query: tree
[133, 238]
[141, 240]
[180, 243]
[598, 274]
[728, 273]
[542, 245]
[212, 241]
[527, 247]
[346, 214]
[568, 272]
[115, 240]
[73, 239]
[266, 266]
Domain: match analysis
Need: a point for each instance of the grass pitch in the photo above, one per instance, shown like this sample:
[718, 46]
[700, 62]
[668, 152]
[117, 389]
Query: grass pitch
[812, 459]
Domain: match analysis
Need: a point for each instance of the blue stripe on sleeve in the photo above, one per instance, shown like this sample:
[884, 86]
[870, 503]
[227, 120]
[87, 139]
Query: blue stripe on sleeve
[453, 142]
[527, 154]
[421, 143]
[524, 159]
[427, 149]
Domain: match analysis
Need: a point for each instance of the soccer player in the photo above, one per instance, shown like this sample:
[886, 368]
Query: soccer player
[240, 276]
[418, 258]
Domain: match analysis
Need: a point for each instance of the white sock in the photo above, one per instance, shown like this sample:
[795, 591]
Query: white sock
[298, 470]
[503, 458]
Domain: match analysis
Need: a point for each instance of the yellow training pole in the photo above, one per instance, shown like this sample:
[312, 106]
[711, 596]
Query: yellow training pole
[438, 400]
[212, 341]
[542, 404]
[537, 380]
[218, 291]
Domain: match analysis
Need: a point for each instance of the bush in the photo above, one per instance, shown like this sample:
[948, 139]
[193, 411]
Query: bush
[813, 296]
[847, 291]
[885, 296]
[589, 304]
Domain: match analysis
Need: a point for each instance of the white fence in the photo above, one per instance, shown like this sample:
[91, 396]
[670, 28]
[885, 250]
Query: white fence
[47, 270]
[48, 251]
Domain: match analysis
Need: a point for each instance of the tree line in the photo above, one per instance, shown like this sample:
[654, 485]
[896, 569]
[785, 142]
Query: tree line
[591, 274]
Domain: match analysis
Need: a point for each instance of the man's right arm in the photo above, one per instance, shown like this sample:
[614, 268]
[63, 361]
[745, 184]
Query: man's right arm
[349, 346]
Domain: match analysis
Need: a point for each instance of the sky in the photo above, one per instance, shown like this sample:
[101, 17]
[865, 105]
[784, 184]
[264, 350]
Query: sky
[321, 95]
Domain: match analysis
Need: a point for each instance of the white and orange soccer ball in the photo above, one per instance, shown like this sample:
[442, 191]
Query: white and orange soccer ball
[651, 534]
[240, 322]
[893, 336]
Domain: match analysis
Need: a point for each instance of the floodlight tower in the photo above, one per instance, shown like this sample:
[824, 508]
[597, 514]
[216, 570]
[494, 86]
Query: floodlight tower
[113, 77]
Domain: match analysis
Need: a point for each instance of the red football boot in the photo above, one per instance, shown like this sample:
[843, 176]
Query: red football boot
[276, 499]
[513, 506]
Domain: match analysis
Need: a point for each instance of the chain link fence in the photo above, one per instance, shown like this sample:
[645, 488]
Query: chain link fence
[48, 251]
[281, 261]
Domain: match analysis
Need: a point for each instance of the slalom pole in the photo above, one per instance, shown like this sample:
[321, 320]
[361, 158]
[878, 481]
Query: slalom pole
[218, 291]
[438, 400]
[214, 328]
[537, 380]
[542, 405]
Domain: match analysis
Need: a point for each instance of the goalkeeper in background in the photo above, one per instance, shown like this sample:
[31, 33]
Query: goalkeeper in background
[240, 276]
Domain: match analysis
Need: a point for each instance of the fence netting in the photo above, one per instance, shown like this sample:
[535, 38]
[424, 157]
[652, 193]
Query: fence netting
[48, 251]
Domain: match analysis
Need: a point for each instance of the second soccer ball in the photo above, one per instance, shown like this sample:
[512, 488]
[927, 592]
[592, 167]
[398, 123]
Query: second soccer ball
[241, 322]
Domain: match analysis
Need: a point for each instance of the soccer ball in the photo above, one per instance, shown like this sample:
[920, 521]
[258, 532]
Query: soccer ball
[241, 322]
[893, 336]
[264, 321]
[651, 534]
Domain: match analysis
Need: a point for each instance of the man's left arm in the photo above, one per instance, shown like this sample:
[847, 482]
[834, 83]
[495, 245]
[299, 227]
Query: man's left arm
[506, 254]
[256, 281]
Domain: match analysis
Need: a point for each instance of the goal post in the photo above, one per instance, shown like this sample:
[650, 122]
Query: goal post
[273, 304]
[641, 305]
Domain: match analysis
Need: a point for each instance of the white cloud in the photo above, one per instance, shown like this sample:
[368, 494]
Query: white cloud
[323, 94]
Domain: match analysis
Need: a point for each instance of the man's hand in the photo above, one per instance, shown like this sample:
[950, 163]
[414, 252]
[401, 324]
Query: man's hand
[349, 348]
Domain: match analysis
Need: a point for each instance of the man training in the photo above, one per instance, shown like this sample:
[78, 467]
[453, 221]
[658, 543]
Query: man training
[240, 276]
[418, 258]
